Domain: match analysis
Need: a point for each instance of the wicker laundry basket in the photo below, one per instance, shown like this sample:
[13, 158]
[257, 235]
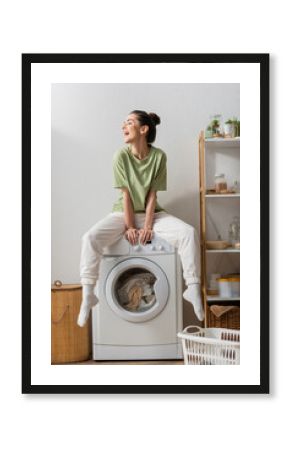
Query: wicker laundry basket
[229, 317]
[69, 342]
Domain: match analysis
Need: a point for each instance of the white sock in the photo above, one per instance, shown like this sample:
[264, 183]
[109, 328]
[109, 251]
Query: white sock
[193, 295]
[89, 300]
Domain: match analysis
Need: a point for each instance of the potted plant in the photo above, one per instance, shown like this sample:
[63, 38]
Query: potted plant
[216, 126]
[214, 129]
[229, 129]
[208, 132]
[236, 124]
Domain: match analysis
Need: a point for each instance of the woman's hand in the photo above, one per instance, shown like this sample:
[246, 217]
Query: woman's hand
[132, 235]
[145, 234]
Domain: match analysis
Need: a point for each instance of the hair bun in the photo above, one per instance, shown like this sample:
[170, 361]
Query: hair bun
[156, 119]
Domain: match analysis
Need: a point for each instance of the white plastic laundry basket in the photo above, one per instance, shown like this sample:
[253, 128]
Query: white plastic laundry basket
[210, 346]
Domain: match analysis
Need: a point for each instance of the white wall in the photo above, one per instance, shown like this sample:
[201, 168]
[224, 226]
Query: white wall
[86, 131]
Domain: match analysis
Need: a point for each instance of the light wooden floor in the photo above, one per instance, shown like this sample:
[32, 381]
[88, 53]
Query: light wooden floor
[153, 362]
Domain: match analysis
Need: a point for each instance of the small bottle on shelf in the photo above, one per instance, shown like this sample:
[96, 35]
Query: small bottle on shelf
[236, 187]
[234, 232]
[213, 284]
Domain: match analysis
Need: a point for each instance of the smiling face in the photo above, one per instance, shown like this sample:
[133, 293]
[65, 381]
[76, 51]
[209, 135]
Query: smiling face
[132, 131]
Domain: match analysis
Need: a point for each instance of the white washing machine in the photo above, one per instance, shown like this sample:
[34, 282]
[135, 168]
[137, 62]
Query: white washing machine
[148, 328]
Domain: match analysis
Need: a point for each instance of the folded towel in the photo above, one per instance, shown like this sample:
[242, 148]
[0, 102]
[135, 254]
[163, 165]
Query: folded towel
[219, 311]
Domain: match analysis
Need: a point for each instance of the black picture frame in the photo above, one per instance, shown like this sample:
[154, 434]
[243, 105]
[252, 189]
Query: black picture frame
[210, 58]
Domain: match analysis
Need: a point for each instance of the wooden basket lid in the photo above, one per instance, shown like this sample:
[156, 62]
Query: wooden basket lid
[64, 287]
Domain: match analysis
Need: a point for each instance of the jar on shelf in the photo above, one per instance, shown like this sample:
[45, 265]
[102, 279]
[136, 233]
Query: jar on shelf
[220, 183]
[235, 286]
[234, 231]
[229, 286]
[224, 287]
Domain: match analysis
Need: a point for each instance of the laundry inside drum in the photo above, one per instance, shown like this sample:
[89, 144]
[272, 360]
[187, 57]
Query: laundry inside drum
[134, 290]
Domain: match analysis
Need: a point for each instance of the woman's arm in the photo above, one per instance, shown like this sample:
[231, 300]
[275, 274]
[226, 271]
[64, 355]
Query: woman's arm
[128, 209]
[131, 233]
[146, 232]
[150, 209]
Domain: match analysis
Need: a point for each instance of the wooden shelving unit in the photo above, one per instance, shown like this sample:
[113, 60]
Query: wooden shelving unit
[205, 146]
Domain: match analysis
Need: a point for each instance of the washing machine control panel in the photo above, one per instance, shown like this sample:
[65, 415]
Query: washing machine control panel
[154, 247]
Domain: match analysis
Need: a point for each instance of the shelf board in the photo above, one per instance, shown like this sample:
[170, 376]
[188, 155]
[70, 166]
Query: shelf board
[223, 250]
[222, 142]
[215, 298]
[221, 195]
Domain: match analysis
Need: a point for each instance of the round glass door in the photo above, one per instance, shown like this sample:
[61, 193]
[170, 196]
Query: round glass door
[137, 289]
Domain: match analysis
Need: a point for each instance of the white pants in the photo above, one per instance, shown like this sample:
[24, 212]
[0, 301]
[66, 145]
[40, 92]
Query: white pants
[108, 230]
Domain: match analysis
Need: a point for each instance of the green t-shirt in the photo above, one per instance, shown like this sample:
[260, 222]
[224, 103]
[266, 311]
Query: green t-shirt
[139, 176]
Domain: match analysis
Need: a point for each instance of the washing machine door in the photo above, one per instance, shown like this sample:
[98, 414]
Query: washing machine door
[137, 289]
